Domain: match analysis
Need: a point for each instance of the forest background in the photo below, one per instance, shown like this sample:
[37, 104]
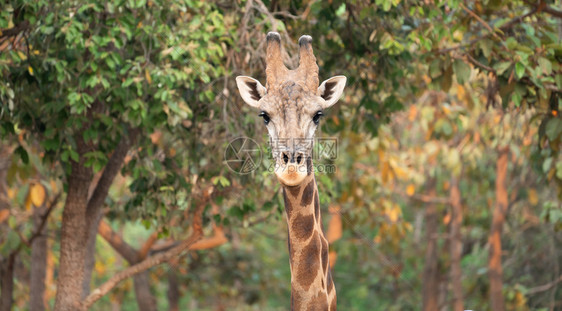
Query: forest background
[115, 117]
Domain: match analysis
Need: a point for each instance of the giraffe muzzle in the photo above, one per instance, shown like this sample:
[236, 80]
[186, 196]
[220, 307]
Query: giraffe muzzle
[291, 168]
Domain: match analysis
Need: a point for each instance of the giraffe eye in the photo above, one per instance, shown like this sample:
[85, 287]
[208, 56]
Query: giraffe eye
[317, 117]
[265, 117]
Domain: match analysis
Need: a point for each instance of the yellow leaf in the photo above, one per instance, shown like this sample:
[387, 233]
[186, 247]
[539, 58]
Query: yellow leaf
[11, 193]
[27, 203]
[411, 189]
[533, 197]
[22, 56]
[147, 76]
[394, 213]
[30, 70]
[37, 194]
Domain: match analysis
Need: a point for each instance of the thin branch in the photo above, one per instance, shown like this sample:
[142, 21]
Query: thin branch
[44, 217]
[506, 26]
[14, 31]
[424, 198]
[123, 248]
[136, 269]
[39, 229]
[544, 287]
[479, 64]
[147, 245]
[480, 20]
[147, 263]
[542, 7]
[111, 169]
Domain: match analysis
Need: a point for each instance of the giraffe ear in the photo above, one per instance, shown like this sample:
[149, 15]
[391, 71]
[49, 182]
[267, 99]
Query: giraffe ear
[251, 90]
[331, 90]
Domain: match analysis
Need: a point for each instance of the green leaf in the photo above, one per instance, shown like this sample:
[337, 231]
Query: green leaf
[462, 71]
[74, 156]
[501, 67]
[22, 154]
[519, 70]
[546, 165]
[546, 65]
[554, 128]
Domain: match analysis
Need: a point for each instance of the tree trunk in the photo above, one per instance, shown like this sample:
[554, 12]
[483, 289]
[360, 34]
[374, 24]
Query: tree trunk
[38, 263]
[145, 300]
[495, 272]
[6, 264]
[430, 290]
[7, 269]
[90, 257]
[73, 239]
[95, 203]
[456, 245]
[173, 291]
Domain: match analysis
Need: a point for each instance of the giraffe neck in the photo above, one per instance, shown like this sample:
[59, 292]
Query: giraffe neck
[312, 287]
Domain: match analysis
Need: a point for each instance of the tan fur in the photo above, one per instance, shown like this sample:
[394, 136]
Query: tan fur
[312, 287]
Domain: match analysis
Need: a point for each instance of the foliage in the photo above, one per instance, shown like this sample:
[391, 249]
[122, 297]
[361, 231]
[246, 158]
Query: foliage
[435, 88]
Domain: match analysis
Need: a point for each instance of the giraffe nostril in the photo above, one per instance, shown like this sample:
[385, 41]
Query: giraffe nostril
[285, 158]
[299, 159]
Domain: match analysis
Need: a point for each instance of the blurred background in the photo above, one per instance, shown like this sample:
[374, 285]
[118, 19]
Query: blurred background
[116, 120]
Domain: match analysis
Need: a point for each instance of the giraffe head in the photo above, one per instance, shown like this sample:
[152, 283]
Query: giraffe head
[291, 105]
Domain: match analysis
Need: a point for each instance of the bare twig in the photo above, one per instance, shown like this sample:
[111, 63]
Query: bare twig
[425, 198]
[479, 64]
[39, 229]
[480, 20]
[545, 287]
[508, 25]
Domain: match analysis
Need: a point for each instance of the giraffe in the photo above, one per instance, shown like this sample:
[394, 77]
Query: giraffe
[291, 105]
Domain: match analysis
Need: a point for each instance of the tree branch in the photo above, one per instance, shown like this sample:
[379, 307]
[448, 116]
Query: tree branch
[14, 31]
[123, 248]
[39, 229]
[147, 263]
[479, 64]
[110, 171]
[544, 287]
[542, 7]
[480, 20]
[506, 26]
[147, 245]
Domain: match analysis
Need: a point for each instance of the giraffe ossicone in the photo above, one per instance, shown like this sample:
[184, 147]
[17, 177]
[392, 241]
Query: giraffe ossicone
[291, 104]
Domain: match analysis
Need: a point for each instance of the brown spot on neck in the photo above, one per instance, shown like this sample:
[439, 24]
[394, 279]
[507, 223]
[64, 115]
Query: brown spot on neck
[308, 194]
[318, 303]
[302, 227]
[309, 263]
[288, 205]
[330, 282]
[293, 190]
[316, 207]
[324, 255]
